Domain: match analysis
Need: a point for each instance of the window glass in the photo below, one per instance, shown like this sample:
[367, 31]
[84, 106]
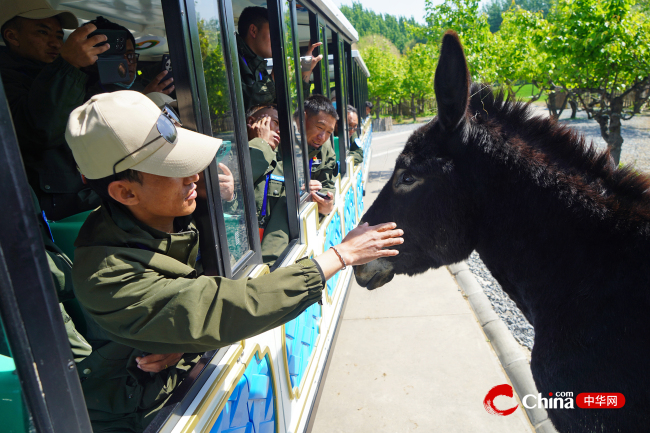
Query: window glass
[223, 125]
[295, 79]
[324, 64]
[342, 97]
[13, 412]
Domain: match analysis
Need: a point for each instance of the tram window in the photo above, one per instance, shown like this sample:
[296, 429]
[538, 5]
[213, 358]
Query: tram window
[325, 80]
[223, 125]
[294, 81]
[13, 411]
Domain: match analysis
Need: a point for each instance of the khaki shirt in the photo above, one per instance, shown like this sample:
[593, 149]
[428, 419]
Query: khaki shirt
[355, 151]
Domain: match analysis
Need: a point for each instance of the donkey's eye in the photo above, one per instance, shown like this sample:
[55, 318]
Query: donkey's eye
[407, 179]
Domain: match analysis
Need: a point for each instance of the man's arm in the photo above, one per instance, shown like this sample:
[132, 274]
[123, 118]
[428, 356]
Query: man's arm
[154, 313]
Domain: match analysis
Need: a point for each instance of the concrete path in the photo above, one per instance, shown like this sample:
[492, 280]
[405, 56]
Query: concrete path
[411, 356]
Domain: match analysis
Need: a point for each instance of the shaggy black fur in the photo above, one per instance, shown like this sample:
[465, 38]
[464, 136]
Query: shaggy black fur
[564, 232]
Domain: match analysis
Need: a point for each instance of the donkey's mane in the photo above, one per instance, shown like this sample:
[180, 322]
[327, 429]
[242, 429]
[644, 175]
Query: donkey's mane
[549, 150]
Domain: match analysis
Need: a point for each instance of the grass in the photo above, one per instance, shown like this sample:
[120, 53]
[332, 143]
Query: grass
[527, 90]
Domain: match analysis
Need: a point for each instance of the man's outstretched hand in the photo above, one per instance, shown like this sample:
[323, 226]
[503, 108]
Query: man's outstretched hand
[155, 363]
[306, 72]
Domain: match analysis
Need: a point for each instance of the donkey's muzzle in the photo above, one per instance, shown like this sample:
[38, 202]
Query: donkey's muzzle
[374, 274]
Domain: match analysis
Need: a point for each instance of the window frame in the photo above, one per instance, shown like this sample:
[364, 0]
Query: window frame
[40, 348]
[218, 242]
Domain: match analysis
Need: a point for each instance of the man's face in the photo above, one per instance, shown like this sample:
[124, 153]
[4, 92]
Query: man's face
[39, 40]
[368, 110]
[260, 41]
[353, 121]
[319, 128]
[166, 197]
[275, 122]
[133, 67]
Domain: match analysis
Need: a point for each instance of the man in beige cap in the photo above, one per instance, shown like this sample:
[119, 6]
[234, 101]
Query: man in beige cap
[137, 273]
[43, 83]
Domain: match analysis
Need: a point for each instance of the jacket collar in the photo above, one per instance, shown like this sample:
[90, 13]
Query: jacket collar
[11, 60]
[253, 61]
[112, 225]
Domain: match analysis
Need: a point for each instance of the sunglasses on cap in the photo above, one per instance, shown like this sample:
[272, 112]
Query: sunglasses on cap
[166, 126]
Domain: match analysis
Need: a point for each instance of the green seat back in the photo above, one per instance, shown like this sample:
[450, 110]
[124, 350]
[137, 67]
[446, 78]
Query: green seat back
[65, 232]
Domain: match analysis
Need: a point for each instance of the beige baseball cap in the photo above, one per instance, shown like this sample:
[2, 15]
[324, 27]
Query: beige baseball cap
[113, 127]
[35, 10]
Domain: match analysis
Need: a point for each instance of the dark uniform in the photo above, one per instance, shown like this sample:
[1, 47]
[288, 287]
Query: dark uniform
[41, 96]
[323, 166]
[257, 85]
[355, 151]
[271, 213]
[144, 289]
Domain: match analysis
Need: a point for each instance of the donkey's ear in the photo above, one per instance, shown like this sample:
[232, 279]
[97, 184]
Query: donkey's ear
[451, 82]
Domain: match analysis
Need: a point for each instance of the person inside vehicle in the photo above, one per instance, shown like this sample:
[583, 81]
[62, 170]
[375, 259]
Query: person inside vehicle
[353, 121]
[254, 47]
[320, 121]
[369, 107]
[169, 366]
[44, 82]
[268, 180]
[158, 84]
[136, 272]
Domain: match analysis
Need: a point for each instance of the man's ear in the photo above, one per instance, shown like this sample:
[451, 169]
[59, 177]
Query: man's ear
[11, 37]
[122, 192]
[252, 31]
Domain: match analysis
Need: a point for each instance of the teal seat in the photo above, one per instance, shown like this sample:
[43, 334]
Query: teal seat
[12, 408]
[65, 232]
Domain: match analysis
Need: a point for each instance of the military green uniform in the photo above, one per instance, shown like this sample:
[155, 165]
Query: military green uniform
[266, 162]
[323, 166]
[119, 396]
[41, 96]
[257, 85]
[355, 151]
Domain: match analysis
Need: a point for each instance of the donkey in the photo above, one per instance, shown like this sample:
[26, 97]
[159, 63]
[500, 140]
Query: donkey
[566, 234]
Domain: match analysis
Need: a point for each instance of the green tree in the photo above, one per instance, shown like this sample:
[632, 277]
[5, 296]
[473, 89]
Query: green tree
[419, 63]
[599, 50]
[495, 8]
[385, 81]
[395, 29]
[472, 26]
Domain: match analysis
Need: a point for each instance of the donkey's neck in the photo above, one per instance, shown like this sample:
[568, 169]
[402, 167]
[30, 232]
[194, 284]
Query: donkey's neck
[548, 250]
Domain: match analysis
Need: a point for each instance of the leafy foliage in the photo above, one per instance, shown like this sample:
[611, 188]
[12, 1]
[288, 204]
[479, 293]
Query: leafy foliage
[395, 29]
[495, 8]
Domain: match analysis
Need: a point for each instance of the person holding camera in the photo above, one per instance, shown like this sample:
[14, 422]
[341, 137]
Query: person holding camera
[159, 84]
[44, 82]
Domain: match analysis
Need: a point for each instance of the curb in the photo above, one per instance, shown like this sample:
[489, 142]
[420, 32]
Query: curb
[514, 363]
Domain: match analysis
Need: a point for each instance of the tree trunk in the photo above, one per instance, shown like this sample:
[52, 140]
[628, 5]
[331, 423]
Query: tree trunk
[610, 129]
[378, 108]
[550, 104]
[574, 108]
[413, 113]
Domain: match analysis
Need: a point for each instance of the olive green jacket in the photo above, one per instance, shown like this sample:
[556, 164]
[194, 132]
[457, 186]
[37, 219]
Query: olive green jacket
[257, 84]
[355, 152]
[143, 288]
[324, 166]
[265, 161]
[41, 96]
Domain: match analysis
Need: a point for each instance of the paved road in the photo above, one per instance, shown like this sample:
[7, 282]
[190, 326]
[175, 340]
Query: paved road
[410, 356]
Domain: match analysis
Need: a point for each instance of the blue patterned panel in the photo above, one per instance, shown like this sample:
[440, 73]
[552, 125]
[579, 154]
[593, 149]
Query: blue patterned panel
[333, 236]
[350, 211]
[360, 194]
[300, 338]
[250, 408]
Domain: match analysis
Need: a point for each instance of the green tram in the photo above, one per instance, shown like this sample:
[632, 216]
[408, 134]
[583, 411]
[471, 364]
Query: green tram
[268, 383]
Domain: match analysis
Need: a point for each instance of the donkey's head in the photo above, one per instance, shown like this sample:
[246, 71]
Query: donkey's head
[426, 195]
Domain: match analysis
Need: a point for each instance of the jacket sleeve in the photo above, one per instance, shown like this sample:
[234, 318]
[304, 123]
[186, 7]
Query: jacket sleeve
[326, 174]
[262, 158]
[157, 314]
[43, 108]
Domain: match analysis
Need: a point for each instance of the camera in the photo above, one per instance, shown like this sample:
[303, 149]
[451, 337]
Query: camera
[112, 66]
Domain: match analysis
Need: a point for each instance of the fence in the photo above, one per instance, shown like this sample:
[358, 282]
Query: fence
[403, 108]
